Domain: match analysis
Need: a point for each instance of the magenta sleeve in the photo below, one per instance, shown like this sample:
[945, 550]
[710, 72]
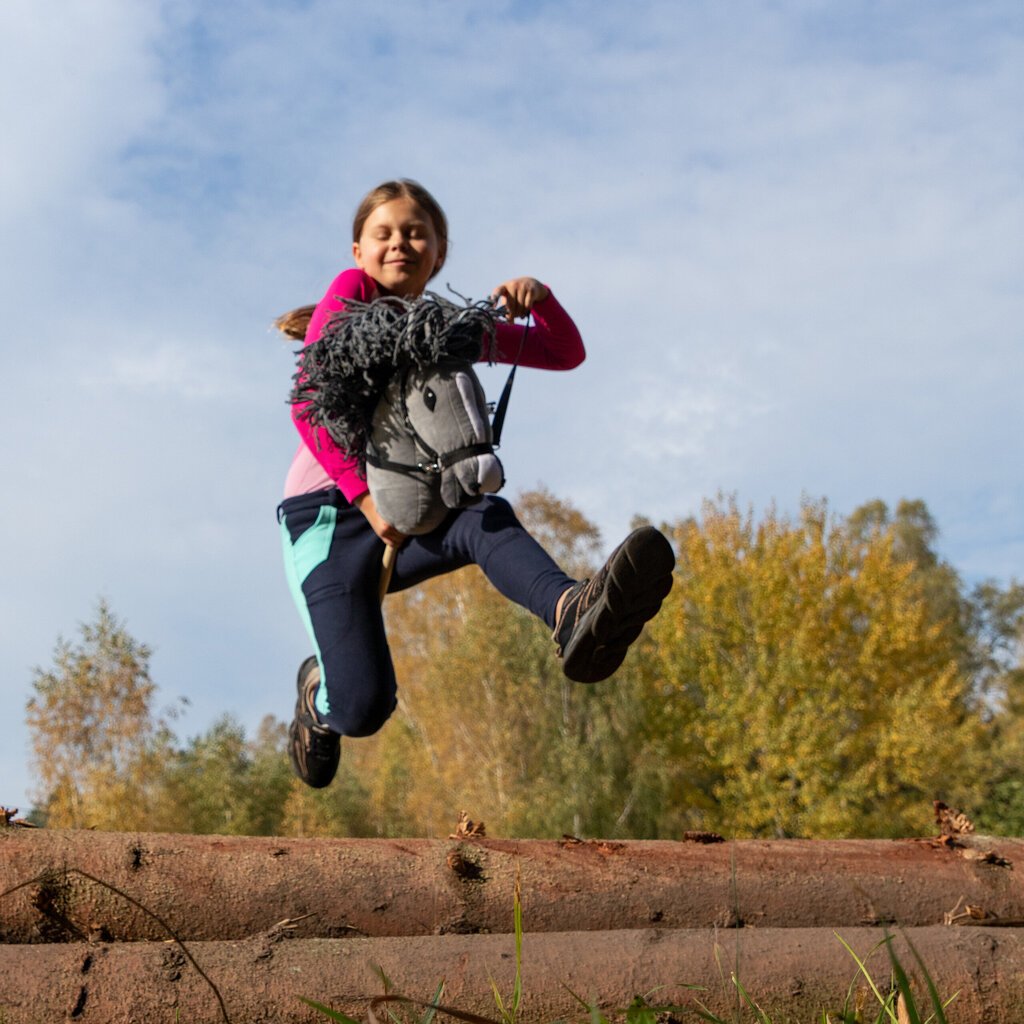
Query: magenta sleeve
[553, 341]
[339, 466]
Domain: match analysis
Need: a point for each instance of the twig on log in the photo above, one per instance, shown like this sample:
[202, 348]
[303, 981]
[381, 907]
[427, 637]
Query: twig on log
[7, 818]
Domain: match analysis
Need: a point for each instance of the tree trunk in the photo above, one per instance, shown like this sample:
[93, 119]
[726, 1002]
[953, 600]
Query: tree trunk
[223, 888]
[792, 973]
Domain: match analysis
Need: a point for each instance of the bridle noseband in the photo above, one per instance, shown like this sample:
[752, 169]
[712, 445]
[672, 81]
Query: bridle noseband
[435, 462]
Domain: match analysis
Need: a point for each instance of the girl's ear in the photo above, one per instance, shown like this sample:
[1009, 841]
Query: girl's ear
[442, 255]
[357, 255]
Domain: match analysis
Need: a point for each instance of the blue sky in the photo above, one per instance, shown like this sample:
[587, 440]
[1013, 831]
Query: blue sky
[792, 234]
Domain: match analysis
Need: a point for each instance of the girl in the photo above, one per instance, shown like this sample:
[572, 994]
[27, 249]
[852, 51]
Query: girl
[334, 537]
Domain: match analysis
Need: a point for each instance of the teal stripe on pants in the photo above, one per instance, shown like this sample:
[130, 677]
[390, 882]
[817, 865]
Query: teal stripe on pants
[300, 559]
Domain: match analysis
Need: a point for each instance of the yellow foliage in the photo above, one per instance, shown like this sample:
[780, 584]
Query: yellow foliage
[809, 676]
[828, 702]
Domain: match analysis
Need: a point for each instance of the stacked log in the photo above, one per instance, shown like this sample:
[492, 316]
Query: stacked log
[103, 926]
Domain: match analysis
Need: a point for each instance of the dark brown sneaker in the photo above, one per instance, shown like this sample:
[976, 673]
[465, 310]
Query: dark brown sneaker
[315, 750]
[603, 615]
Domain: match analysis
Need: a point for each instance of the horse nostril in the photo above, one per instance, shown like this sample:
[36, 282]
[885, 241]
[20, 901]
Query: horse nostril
[429, 398]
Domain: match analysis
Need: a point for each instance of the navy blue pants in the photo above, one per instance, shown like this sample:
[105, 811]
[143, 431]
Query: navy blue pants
[333, 562]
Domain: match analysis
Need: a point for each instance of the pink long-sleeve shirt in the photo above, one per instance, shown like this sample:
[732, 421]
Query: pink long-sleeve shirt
[552, 343]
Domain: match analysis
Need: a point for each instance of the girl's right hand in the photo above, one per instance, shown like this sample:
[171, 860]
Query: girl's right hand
[519, 295]
[381, 527]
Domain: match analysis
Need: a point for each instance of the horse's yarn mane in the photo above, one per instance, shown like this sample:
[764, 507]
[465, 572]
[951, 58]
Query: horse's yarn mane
[343, 375]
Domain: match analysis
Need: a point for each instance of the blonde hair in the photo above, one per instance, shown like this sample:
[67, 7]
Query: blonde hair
[294, 323]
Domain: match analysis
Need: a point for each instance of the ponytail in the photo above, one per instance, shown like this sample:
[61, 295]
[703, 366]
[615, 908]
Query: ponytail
[295, 323]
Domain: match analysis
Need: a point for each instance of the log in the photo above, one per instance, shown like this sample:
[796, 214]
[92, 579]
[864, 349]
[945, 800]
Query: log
[222, 888]
[793, 974]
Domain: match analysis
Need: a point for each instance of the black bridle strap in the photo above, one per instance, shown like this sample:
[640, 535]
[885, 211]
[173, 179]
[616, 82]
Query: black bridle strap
[439, 463]
[502, 407]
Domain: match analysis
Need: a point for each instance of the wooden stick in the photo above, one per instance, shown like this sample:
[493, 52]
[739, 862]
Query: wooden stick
[387, 567]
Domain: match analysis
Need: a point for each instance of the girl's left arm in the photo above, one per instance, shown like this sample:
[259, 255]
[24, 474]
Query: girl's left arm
[552, 342]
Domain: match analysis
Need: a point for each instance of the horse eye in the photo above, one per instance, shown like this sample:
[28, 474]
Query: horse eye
[429, 398]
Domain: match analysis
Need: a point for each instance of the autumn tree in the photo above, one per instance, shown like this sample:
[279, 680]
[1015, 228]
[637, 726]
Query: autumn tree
[95, 738]
[815, 676]
[491, 723]
[828, 696]
[986, 624]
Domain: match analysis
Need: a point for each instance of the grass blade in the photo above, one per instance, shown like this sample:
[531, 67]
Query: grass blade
[937, 1004]
[596, 1017]
[335, 1015]
[759, 1013]
[705, 1014]
[903, 983]
[428, 1017]
[883, 1002]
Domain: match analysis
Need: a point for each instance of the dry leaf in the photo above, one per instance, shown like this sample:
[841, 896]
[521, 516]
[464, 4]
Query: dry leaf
[952, 822]
[468, 829]
[902, 1013]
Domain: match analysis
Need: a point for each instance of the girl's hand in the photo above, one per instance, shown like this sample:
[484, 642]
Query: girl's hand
[519, 295]
[381, 527]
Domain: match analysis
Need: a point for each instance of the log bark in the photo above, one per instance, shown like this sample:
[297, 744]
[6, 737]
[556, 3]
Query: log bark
[223, 888]
[792, 973]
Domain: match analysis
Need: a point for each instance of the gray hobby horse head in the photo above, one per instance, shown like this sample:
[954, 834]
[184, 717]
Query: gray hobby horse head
[392, 382]
[431, 448]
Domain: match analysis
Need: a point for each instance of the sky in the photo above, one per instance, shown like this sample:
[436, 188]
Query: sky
[791, 234]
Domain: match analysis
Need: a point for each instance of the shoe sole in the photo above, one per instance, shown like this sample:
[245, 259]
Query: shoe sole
[639, 579]
[295, 745]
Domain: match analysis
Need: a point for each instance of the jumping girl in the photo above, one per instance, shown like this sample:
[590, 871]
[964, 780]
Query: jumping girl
[334, 537]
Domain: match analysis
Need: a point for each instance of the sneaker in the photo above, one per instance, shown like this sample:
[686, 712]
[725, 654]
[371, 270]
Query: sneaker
[603, 615]
[315, 750]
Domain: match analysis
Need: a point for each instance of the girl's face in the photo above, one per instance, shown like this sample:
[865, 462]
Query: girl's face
[399, 248]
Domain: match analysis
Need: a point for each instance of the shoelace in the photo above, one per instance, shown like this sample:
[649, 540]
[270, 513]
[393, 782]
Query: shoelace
[579, 599]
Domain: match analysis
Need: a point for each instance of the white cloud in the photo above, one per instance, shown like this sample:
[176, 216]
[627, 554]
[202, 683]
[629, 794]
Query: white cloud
[77, 80]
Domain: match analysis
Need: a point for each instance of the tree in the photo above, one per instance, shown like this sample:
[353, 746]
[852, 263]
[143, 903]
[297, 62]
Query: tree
[490, 723]
[341, 809]
[95, 741]
[807, 657]
[997, 653]
[987, 625]
[226, 783]
[812, 676]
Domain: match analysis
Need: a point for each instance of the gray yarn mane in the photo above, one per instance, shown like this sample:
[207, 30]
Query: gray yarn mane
[344, 373]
